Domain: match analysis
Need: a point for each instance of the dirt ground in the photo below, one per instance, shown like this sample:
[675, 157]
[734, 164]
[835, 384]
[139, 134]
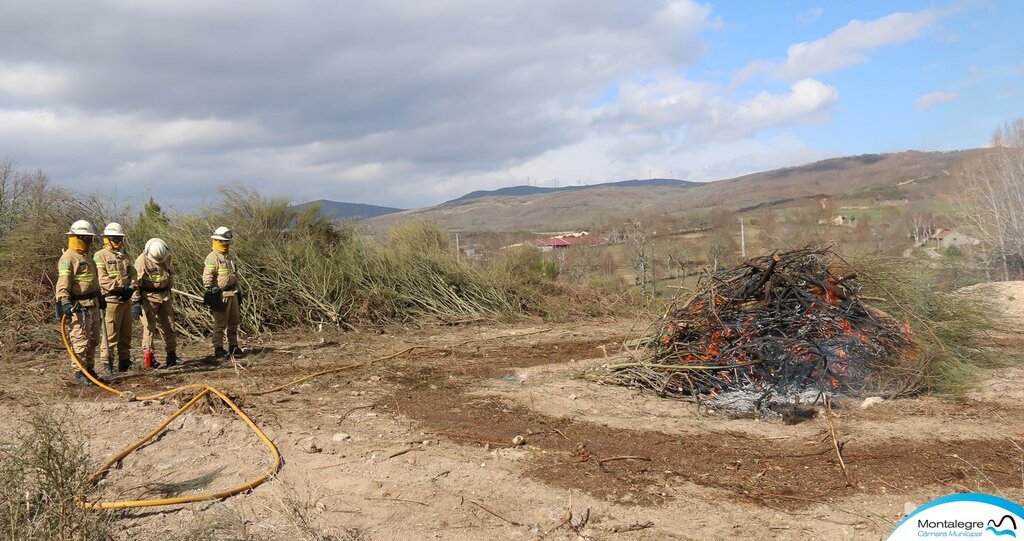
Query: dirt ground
[421, 446]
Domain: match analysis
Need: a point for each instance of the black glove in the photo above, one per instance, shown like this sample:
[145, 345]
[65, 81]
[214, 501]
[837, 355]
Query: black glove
[64, 309]
[215, 290]
[126, 293]
[136, 311]
[101, 302]
[240, 298]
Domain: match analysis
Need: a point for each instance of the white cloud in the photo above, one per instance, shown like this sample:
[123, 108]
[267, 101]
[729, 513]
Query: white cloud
[31, 81]
[846, 46]
[807, 102]
[810, 15]
[928, 101]
[392, 102]
[686, 111]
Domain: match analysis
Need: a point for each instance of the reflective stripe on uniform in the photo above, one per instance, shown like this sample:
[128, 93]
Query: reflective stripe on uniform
[223, 271]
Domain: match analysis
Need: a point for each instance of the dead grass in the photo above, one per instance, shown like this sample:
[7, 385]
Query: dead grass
[43, 473]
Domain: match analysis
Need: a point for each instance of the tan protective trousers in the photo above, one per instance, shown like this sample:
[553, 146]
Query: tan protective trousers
[161, 313]
[119, 331]
[226, 319]
[84, 335]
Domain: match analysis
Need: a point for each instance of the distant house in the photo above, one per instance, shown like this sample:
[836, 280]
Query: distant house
[951, 238]
[838, 219]
[564, 241]
[470, 253]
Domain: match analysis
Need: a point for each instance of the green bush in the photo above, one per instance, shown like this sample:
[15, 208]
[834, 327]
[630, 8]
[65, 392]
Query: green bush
[950, 326]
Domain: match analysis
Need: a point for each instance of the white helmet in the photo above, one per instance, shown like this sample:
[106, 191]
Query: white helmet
[157, 250]
[113, 229]
[222, 233]
[82, 228]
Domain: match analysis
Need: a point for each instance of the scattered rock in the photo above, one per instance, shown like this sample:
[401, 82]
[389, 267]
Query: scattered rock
[518, 440]
[374, 378]
[340, 437]
[871, 401]
[572, 397]
[313, 448]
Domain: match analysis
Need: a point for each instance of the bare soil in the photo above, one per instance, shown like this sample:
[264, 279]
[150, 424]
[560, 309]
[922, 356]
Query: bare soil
[421, 446]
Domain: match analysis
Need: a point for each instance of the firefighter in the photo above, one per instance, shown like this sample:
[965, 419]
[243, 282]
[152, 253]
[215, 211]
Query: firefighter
[117, 286]
[224, 297]
[152, 299]
[78, 299]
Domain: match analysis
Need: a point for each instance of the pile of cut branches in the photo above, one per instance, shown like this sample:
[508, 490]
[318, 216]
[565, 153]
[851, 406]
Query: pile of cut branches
[782, 326]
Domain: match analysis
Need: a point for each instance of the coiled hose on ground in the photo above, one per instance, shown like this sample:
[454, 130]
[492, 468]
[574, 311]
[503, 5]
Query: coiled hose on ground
[201, 391]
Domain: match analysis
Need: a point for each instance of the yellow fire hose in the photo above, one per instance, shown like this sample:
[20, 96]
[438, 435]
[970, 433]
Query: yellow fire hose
[203, 390]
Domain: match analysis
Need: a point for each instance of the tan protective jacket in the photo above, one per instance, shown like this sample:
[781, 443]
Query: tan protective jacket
[115, 272]
[76, 279]
[155, 279]
[220, 271]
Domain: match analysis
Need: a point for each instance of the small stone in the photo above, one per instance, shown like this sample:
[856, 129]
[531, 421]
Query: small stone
[375, 378]
[313, 448]
[518, 440]
[572, 397]
[340, 437]
[426, 442]
[871, 401]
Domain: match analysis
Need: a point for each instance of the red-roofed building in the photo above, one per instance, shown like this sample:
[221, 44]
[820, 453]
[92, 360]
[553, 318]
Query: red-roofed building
[561, 242]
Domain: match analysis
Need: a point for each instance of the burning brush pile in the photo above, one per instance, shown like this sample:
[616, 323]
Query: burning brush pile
[778, 330]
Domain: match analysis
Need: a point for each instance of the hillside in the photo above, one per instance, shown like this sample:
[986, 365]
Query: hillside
[911, 175]
[348, 211]
[534, 190]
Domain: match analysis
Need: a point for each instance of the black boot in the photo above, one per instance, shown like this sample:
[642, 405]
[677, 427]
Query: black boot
[81, 379]
[172, 359]
[236, 352]
[123, 365]
[108, 369]
[220, 353]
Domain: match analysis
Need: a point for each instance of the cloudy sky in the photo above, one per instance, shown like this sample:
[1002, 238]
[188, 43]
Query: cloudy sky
[407, 103]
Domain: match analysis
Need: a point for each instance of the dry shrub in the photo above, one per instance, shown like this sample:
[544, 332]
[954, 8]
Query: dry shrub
[34, 217]
[43, 473]
[297, 268]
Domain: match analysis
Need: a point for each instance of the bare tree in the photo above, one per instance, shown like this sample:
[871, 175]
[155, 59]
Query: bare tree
[992, 201]
[640, 253]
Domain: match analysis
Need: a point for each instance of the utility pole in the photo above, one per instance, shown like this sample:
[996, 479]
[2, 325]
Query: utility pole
[654, 270]
[743, 239]
[458, 247]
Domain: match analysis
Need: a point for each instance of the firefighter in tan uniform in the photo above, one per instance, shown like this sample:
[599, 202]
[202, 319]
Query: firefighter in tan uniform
[222, 293]
[77, 294]
[152, 299]
[117, 285]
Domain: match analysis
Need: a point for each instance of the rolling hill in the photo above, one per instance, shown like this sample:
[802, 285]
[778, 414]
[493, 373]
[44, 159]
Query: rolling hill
[534, 190]
[338, 210]
[911, 175]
